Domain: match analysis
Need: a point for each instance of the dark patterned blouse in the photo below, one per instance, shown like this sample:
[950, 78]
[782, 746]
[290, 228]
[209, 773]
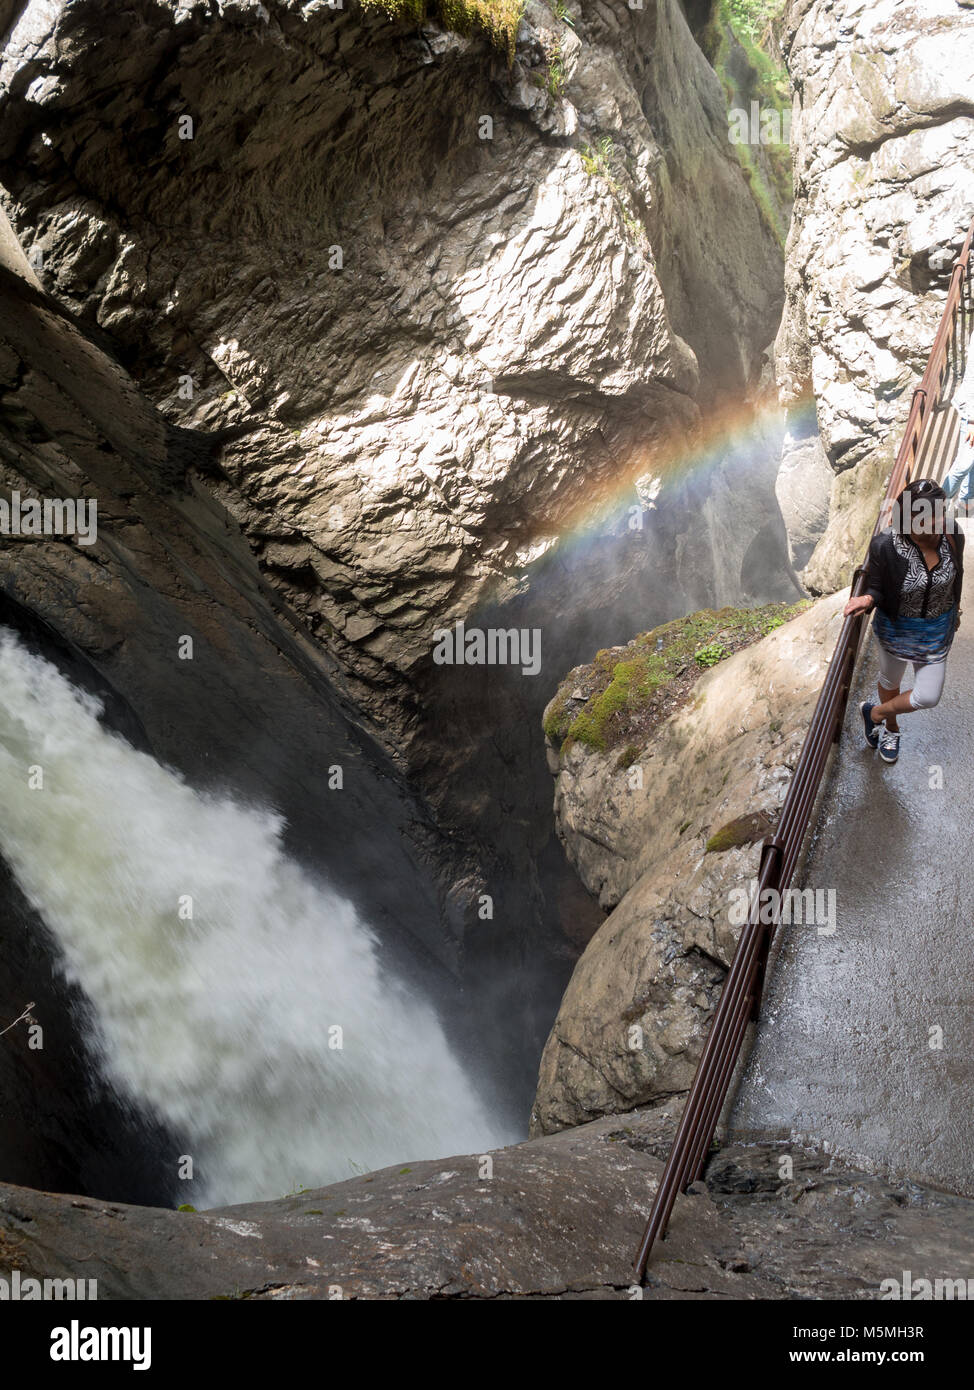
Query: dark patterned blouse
[923, 630]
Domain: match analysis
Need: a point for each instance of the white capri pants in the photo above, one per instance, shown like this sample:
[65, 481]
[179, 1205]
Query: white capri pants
[928, 678]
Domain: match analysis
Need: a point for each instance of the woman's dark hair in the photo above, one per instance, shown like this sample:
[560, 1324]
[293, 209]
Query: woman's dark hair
[922, 497]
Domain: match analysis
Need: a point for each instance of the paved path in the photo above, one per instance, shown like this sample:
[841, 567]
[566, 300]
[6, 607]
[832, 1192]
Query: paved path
[843, 1055]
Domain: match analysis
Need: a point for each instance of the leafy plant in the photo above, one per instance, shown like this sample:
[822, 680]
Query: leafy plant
[710, 654]
[557, 74]
[753, 18]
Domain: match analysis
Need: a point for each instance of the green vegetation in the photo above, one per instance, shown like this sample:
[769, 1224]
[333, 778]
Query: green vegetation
[740, 42]
[186, 1207]
[297, 1192]
[498, 19]
[752, 19]
[598, 163]
[556, 75]
[630, 690]
[711, 654]
[744, 830]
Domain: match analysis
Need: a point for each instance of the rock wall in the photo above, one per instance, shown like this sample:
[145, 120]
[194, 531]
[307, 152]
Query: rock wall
[559, 1219]
[883, 134]
[635, 1013]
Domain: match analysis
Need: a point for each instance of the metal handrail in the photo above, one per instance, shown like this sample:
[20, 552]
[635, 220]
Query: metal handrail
[741, 995]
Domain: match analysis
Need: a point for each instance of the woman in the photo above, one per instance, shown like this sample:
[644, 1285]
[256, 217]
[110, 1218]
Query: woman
[914, 574]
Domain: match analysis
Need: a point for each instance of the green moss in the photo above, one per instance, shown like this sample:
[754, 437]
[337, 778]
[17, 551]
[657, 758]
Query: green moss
[761, 191]
[556, 718]
[624, 690]
[498, 19]
[632, 682]
[186, 1207]
[744, 830]
[742, 30]
[628, 756]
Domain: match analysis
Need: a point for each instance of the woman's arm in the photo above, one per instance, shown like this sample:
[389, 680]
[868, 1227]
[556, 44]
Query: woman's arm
[872, 594]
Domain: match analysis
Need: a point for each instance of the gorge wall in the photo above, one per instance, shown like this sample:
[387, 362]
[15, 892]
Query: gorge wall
[884, 193]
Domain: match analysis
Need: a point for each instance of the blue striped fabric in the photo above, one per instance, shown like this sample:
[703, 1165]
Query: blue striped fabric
[920, 640]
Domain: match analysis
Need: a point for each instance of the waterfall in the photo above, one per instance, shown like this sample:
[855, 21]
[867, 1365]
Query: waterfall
[218, 972]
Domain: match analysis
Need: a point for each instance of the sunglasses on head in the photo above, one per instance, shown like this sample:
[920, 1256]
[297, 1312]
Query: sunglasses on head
[924, 487]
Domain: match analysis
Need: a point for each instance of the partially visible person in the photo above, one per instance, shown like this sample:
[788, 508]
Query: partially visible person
[959, 481]
[914, 575]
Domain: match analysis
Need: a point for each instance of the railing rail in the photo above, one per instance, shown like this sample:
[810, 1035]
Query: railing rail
[741, 995]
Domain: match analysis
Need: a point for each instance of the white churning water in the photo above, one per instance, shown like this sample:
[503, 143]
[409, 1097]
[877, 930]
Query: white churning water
[222, 1024]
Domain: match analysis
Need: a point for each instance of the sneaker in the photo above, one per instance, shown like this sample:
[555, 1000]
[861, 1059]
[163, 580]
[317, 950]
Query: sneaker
[871, 730]
[889, 746]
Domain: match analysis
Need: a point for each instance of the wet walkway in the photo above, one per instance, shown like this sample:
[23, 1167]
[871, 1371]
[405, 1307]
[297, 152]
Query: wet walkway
[866, 1041]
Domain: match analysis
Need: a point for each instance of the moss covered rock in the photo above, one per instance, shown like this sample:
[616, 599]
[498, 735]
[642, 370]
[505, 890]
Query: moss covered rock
[498, 19]
[618, 699]
[742, 830]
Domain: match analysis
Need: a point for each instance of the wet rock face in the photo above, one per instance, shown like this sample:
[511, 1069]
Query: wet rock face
[432, 301]
[554, 1218]
[63, 1129]
[884, 188]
